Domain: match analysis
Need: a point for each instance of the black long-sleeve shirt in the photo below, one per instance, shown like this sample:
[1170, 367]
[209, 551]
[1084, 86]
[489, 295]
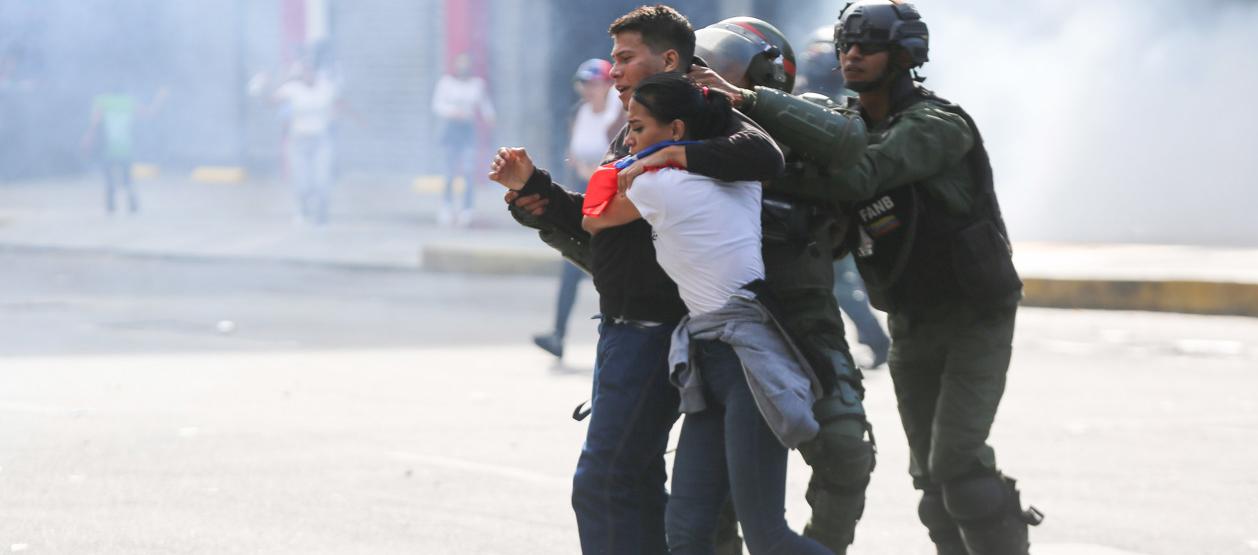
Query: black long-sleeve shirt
[630, 283]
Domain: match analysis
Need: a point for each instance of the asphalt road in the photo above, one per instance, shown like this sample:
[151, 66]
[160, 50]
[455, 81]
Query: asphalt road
[398, 412]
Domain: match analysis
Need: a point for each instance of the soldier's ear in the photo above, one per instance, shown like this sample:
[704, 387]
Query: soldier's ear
[678, 129]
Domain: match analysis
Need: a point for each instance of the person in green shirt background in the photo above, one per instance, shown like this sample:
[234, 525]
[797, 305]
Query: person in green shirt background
[111, 138]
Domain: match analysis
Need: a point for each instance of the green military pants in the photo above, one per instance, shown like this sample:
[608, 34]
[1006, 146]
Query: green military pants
[949, 366]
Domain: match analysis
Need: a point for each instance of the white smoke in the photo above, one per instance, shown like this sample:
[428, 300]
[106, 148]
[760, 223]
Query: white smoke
[1120, 121]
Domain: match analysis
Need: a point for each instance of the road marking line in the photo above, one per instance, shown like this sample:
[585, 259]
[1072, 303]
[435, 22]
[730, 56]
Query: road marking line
[452, 463]
[1078, 549]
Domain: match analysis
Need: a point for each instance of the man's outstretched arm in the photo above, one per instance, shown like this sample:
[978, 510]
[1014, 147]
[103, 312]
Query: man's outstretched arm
[537, 202]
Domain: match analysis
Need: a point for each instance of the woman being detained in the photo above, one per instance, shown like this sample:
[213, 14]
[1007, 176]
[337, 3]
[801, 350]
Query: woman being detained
[745, 389]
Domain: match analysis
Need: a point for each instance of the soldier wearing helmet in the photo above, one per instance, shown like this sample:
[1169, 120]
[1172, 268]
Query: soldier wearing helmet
[931, 244]
[818, 66]
[800, 240]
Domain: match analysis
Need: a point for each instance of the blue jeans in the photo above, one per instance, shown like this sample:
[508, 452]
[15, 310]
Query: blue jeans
[310, 157]
[727, 449]
[569, 279]
[618, 489]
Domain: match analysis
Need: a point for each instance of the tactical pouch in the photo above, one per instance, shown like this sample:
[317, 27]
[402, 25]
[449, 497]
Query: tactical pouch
[784, 222]
[983, 263]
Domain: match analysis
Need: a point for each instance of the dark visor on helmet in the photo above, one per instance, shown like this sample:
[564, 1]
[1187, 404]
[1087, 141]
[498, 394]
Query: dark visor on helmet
[867, 47]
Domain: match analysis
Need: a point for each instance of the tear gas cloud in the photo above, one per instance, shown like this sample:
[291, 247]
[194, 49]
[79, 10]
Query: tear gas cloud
[1112, 121]
[1126, 121]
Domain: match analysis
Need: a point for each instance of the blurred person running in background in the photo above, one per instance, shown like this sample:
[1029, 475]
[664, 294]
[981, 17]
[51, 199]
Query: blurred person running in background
[459, 98]
[596, 119]
[110, 137]
[311, 101]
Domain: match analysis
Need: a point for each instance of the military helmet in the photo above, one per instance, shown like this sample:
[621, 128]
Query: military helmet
[750, 48]
[818, 65]
[884, 22]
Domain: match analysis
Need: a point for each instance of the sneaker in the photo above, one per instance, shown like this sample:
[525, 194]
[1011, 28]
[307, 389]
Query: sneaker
[550, 343]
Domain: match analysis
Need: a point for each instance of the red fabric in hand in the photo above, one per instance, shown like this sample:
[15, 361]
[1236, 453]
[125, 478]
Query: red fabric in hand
[603, 188]
[600, 191]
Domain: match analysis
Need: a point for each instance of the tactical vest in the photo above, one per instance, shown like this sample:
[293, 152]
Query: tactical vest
[913, 254]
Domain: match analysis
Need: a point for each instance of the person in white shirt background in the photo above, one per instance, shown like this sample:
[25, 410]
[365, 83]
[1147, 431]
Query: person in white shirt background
[310, 103]
[460, 98]
[595, 121]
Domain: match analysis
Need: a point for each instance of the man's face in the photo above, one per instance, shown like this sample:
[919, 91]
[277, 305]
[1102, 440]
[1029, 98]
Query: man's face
[859, 67]
[633, 61]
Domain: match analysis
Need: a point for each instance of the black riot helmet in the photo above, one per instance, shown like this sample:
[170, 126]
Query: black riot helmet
[819, 66]
[884, 23]
[749, 50]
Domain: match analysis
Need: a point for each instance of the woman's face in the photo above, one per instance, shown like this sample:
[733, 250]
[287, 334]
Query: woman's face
[645, 130]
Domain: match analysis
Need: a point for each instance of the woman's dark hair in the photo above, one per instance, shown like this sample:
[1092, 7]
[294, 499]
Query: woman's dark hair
[670, 96]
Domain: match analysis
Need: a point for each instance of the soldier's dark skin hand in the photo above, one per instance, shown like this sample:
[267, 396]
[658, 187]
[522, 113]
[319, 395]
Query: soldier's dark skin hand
[534, 204]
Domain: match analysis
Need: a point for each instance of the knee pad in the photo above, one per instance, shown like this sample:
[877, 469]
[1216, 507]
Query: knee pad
[834, 516]
[988, 511]
[838, 459]
[931, 511]
[975, 497]
[940, 525]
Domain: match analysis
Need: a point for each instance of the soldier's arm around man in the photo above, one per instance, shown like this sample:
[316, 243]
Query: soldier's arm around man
[925, 142]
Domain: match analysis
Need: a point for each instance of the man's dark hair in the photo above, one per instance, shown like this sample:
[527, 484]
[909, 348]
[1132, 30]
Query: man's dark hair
[662, 28]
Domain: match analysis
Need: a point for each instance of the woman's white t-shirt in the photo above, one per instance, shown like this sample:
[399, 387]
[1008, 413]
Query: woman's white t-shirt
[706, 233]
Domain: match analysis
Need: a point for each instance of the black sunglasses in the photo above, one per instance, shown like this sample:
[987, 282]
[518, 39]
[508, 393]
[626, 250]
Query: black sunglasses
[867, 48]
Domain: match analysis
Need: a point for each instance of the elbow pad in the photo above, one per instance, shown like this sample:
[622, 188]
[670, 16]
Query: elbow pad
[815, 128]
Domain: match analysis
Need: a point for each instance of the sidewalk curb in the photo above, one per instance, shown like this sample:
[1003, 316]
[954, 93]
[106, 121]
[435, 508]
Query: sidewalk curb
[1192, 297]
[210, 258]
[1182, 296]
[492, 260]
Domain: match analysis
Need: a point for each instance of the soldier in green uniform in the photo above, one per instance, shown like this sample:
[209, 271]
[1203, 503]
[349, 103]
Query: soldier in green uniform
[801, 235]
[931, 245]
